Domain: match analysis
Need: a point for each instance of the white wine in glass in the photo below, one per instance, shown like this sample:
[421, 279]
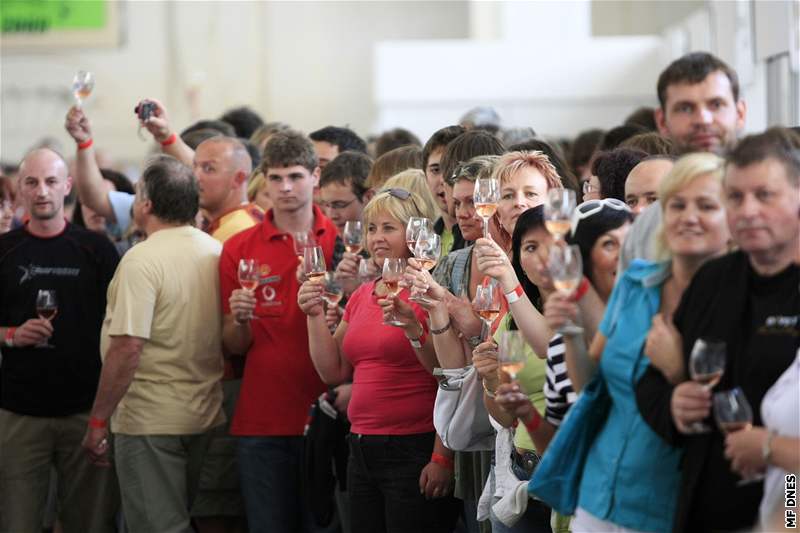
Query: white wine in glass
[511, 353]
[415, 226]
[486, 196]
[332, 292]
[566, 270]
[82, 86]
[248, 274]
[314, 263]
[558, 212]
[393, 269]
[353, 233]
[487, 304]
[426, 251]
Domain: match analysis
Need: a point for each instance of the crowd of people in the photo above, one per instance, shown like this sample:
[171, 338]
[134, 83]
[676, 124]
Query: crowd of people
[279, 332]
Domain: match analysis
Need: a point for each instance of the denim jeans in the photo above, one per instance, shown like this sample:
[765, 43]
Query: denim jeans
[270, 473]
[383, 482]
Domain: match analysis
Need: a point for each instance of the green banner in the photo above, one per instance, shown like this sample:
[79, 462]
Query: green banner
[42, 16]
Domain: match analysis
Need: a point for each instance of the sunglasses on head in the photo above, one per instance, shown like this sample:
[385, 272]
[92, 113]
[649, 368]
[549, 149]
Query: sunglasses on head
[402, 194]
[592, 207]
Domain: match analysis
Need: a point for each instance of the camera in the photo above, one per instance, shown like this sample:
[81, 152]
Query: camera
[145, 110]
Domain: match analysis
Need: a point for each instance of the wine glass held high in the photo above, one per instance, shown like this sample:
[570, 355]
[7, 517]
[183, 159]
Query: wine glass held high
[558, 212]
[352, 235]
[426, 251]
[487, 304]
[314, 263]
[566, 270]
[393, 270]
[82, 86]
[486, 196]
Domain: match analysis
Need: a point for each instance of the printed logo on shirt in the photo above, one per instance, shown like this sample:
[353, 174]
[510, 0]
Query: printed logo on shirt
[268, 292]
[32, 271]
[780, 325]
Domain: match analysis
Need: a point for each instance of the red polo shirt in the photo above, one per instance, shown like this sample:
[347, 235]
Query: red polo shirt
[280, 382]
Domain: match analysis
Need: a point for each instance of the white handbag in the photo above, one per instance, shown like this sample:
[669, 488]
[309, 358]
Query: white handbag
[459, 415]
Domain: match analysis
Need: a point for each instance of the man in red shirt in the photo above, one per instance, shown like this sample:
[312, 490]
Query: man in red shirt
[280, 382]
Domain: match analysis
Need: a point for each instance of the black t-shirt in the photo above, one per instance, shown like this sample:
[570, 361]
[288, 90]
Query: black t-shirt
[78, 265]
[758, 319]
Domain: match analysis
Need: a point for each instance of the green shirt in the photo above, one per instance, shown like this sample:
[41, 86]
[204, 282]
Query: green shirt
[531, 379]
[446, 239]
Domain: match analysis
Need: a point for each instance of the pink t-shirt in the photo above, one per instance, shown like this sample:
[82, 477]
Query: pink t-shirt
[393, 394]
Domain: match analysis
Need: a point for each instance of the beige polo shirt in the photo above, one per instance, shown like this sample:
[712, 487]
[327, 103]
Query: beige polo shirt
[166, 291]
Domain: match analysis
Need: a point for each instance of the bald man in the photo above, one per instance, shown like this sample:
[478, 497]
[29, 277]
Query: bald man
[51, 364]
[641, 186]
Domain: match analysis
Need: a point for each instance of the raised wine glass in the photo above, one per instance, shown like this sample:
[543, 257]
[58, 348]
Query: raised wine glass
[332, 292]
[393, 269]
[413, 229]
[487, 304]
[353, 233]
[706, 366]
[566, 270]
[314, 263]
[558, 212]
[366, 271]
[426, 252]
[486, 197]
[46, 309]
[511, 353]
[82, 86]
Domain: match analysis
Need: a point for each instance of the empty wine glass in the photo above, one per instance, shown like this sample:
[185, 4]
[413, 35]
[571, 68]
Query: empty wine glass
[566, 270]
[706, 366]
[302, 240]
[487, 304]
[511, 353]
[393, 269]
[558, 212]
[314, 263]
[486, 197]
[367, 271]
[353, 232]
[248, 274]
[82, 86]
[46, 309]
[414, 227]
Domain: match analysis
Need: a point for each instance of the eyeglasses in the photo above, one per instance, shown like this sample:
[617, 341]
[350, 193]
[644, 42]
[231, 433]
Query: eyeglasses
[588, 187]
[592, 207]
[337, 204]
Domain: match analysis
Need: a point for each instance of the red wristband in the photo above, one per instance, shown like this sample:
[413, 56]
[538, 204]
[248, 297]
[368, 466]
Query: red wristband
[582, 289]
[441, 460]
[534, 423]
[85, 144]
[8, 340]
[97, 423]
[515, 295]
[170, 140]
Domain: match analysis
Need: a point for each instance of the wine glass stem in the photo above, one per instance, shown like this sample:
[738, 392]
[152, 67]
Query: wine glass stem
[485, 227]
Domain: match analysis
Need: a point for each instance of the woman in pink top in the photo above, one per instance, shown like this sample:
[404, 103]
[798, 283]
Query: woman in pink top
[399, 474]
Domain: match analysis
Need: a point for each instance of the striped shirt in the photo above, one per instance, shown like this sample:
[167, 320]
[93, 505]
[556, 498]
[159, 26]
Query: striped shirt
[558, 392]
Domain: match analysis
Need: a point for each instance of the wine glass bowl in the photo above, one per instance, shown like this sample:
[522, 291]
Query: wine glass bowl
[565, 265]
[558, 212]
[352, 235]
[332, 292]
[487, 303]
[414, 227]
[302, 240]
[82, 85]
[46, 309]
[314, 263]
[426, 251]
[393, 270]
[486, 196]
[248, 274]
[511, 353]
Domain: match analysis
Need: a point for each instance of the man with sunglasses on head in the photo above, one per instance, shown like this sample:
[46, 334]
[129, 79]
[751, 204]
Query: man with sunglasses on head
[749, 300]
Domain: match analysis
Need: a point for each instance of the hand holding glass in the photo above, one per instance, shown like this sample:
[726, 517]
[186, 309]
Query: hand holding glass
[393, 269]
[248, 274]
[46, 309]
[426, 251]
[706, 366]
[732, 412]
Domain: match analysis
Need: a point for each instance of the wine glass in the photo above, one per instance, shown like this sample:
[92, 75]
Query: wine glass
[511, 353]
[82, 85]
[558, 212]
[332, 292]
[413, 228]
[566, 269]
[314, 263]
[486, 196]
[302, 240]
[426, 251]
[248, 274]
[393, 269]
[366, 272]
[46, 309]
[732, 412]
[487, 304]
[706, 366]
[353, 232]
